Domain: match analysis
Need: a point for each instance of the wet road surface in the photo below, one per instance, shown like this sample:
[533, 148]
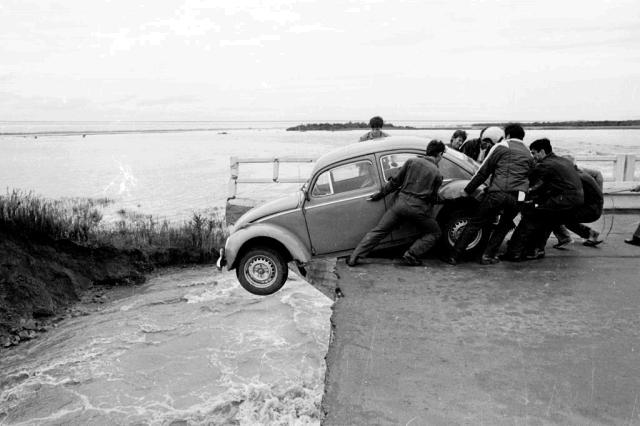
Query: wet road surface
[552, 341]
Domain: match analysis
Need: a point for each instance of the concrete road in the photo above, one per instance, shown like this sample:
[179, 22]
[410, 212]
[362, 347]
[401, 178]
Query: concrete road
[552, 341]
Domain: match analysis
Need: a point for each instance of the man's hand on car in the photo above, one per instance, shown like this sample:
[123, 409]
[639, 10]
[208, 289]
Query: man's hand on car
[375, 197]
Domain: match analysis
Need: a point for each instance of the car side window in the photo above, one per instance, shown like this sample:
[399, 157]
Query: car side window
[392, 163]
[347, 177]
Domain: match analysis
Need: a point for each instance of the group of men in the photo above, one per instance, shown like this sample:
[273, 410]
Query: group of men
[550, 193]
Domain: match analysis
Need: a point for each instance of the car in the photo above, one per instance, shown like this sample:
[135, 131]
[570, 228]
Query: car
[330, 214]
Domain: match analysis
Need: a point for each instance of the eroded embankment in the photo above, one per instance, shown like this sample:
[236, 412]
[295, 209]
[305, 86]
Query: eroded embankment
[41, 278]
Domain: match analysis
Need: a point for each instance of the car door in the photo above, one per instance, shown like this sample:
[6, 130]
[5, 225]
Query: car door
[337, 212]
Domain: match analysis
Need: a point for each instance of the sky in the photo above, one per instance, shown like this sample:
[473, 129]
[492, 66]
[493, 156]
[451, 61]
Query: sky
[325, 60]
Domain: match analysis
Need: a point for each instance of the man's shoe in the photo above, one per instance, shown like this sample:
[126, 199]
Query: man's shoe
[451, 260]
[489, 260]
[593, 240]
[536, 254]
[563, 242]
[634, 241]
[352, 261]
[511, 257]
[410, 260]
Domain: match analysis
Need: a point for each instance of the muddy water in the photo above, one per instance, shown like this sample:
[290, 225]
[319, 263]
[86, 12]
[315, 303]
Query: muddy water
[189, 347]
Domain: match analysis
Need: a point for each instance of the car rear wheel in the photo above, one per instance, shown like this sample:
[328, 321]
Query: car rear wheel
[262, 271]
[453, 228]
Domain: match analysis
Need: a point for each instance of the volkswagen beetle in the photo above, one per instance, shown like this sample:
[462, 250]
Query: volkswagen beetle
[330, 214]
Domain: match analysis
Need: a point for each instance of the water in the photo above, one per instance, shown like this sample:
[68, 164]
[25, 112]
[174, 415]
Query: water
[189, 347]
[171, 175]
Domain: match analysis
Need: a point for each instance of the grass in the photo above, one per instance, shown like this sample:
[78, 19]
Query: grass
[81, 221]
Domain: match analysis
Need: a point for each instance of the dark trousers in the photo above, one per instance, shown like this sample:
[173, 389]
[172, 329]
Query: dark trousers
[493, 203]
[537, 223]
[406, 208]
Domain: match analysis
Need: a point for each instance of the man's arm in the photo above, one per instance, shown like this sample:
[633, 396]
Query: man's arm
[392, 184]
[485, 170]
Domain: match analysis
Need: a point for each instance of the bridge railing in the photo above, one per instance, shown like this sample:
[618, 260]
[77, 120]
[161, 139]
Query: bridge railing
[620, 173]
[276, 171]
[615, 168]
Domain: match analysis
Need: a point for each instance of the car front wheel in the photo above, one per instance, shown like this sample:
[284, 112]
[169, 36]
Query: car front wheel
[262, 271]
[454, 227]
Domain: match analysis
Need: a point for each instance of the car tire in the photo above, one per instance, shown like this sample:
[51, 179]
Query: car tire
[262, 271]
[452, 230]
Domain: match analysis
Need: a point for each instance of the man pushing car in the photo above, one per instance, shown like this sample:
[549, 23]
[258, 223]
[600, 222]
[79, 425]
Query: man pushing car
[417, 182]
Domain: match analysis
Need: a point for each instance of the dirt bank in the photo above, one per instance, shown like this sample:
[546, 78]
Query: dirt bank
[41, 279]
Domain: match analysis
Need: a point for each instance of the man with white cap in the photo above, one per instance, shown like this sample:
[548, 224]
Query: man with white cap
[508, 164]
[479, 148]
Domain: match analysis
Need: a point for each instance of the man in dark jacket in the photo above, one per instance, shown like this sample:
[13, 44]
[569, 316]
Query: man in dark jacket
[555, 192]
[479, 148]
[508, 165]
[417, 182]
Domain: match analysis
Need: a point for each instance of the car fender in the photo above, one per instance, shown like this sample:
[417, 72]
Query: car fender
[238, 240]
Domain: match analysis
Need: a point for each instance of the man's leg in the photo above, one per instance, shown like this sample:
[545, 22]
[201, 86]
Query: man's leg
[372, 238]
[509, 211]
[489, 207]
[562, 235]
[635, 239]
[431, 234]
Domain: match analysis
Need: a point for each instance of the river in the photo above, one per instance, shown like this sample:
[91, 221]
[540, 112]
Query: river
[190, 346]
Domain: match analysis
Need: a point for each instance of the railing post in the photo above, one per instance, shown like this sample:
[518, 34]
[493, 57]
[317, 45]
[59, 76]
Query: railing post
[276, 169]
[630, 167]
[233, 179]
[619, 168]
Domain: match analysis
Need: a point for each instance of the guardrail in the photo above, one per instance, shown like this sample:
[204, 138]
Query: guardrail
[275, 178]
[623, 166]
[617, 169]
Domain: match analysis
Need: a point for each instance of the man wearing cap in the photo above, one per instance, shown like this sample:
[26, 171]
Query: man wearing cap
[508, 164]
[479, 148]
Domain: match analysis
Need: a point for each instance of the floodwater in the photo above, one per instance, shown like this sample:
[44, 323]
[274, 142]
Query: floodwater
[188, 347]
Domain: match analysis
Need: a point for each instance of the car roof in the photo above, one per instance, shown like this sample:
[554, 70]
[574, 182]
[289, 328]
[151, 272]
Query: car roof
[383, 144]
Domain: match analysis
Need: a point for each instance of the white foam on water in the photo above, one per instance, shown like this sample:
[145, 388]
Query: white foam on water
[191, 346]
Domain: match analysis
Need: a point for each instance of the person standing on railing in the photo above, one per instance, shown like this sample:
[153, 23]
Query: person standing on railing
[376, 132]
[635, 238]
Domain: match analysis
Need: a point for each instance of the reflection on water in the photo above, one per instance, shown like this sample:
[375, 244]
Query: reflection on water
[189, 346]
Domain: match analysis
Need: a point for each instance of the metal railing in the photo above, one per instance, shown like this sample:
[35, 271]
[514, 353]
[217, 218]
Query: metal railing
[275, 177]
[622, 168]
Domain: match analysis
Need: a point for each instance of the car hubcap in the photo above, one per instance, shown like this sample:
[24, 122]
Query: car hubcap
[456, 231]
[261, 271]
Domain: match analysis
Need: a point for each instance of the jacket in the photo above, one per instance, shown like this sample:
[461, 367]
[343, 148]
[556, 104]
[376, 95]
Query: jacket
[508, 164]
[418, 177]
[556, 184]
[593, 198]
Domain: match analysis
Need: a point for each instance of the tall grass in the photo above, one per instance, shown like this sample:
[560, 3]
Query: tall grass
[81, 221]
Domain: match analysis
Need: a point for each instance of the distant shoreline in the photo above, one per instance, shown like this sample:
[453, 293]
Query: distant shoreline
[337, 126]
[544, 125]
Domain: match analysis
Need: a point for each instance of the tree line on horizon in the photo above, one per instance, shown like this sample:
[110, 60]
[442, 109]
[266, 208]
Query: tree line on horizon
[351, 125]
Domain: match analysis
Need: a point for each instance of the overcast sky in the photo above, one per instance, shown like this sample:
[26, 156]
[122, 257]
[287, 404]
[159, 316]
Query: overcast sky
[319, 60]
